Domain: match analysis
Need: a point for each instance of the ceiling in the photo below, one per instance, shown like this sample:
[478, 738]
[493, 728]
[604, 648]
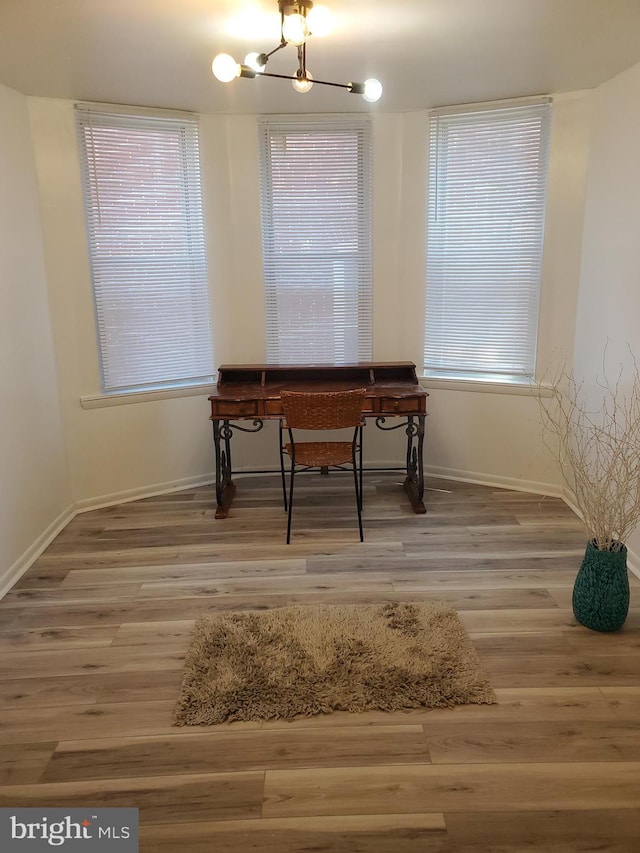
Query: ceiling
[426, 52]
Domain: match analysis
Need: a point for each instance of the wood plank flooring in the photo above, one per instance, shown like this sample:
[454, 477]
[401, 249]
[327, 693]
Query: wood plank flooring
[93, 638]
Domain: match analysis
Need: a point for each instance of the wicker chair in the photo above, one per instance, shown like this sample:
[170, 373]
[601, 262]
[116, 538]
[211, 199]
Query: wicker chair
[330, 410]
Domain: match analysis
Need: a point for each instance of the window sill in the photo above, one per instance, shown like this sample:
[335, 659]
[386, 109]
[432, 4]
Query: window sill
[99, 401]
[520, 387]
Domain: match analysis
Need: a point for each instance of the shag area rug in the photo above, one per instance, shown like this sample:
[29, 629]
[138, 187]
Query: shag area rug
[314, 659]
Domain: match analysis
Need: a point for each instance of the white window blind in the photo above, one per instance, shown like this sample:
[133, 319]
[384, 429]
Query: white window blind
[316, 233]
[141, 180]
[487, 190]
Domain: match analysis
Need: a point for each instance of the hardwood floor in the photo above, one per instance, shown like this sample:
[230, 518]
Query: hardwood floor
[93, 637]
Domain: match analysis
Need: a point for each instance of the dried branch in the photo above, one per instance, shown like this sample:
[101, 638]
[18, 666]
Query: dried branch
[598, 450]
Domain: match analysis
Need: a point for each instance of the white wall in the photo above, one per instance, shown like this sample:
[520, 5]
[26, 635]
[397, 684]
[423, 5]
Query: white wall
[125, 449]
[35, 497]
[609, 303]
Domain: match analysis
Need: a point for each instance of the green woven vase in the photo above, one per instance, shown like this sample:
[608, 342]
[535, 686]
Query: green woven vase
[601, 589]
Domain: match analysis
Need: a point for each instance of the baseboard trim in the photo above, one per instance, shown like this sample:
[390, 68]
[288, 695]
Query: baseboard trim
[28, 558]
[479, 479]
[142, 492]
[533, 486]
[24, 563]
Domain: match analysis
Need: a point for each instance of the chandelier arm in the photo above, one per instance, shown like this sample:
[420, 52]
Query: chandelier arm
[302, 60]
[275, 50]
[321, 82]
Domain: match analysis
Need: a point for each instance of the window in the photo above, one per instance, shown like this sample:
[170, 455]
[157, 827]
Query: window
[141, 180]
[487, 188]
[316, 235]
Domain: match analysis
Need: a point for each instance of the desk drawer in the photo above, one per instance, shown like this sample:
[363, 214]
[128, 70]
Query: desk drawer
[401, 406]
[234, 408]
[273, 407]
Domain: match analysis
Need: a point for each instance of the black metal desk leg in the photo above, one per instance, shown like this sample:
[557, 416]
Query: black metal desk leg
[225, 488]
[414, 482]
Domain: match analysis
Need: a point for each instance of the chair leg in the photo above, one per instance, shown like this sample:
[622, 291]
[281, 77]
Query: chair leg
[290, 502]
[284, 485]
[358, 496]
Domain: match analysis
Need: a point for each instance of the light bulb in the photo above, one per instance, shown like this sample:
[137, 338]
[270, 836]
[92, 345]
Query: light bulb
[225, 68]
[372, 90]
[319, 21]
[253, 61]
[294, 29]
[303, 84]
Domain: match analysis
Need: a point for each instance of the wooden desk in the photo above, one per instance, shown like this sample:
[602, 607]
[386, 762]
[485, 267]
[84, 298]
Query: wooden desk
[251, 392]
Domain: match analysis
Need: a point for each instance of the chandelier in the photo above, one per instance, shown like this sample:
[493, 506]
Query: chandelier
[298, 19]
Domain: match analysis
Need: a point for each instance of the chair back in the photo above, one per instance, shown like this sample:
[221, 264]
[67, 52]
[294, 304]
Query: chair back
[323, 409]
